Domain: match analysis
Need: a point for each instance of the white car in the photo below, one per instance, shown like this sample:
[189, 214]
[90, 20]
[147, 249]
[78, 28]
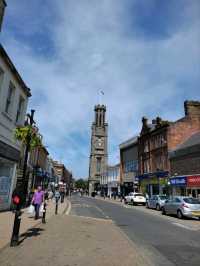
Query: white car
[135, 198]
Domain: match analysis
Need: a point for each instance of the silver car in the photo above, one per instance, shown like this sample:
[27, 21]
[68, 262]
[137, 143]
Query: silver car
[156, 202]
[182, 207]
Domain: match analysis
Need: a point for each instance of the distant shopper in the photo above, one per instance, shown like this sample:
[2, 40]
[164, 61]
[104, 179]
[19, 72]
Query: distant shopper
[37, 200]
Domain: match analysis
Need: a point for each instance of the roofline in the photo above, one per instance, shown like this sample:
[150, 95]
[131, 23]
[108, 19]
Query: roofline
[129, 142]
[14, 71]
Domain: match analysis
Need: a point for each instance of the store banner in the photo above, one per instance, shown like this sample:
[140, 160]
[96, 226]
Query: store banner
[193, 181]
[178, 181]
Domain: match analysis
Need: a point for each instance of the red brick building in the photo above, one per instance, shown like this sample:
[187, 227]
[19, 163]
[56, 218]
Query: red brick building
[63, 174]
[155, 142]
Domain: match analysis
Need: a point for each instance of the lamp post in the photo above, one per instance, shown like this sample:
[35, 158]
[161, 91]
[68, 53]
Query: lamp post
[22, 191]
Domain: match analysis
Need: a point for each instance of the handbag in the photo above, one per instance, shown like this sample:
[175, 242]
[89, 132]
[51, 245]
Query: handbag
[42, 208]
[31, 209]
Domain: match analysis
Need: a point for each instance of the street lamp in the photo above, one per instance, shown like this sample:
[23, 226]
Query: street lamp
[22, 190]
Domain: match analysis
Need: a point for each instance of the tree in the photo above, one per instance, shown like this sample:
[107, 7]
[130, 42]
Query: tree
[81, 184]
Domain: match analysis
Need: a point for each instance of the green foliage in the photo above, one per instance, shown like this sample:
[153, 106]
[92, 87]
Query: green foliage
[23, 133]
[81, 183]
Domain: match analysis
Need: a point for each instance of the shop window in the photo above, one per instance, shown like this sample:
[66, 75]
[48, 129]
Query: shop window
[6, 172]
[1, 79]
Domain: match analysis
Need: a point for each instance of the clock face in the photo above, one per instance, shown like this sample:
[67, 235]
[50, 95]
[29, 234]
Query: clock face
[99, 142]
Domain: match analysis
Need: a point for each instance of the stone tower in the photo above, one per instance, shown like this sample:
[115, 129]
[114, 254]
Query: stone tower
[99, 151]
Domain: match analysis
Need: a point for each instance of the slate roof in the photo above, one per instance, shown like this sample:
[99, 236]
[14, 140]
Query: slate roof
[191, 145]
[128, 142]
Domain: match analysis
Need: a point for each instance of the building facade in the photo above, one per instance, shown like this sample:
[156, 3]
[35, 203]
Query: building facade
[63, 174]
[2, 11]
[129, 165]
[99, 151]
[14, 96]
[185, 167]
[155, 142]
[113, 180]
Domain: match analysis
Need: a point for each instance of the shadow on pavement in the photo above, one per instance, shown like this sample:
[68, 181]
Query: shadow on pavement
[33, 232]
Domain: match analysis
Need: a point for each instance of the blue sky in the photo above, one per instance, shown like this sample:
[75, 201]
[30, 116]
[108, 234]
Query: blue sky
[143, 54]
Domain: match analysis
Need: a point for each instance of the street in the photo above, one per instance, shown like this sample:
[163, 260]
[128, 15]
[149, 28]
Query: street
[164, 240]
[98, 232]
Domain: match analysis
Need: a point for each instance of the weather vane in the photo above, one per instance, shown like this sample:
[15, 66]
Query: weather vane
[101, 93]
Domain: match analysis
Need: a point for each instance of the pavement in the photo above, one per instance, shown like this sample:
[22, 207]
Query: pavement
[73, 240]
[27, 221]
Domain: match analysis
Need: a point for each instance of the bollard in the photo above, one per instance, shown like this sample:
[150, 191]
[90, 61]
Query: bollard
[16, 227]
[44, 214]
[56, 210]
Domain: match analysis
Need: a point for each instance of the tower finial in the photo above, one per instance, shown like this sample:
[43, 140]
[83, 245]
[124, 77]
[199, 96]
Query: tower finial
[101, 94]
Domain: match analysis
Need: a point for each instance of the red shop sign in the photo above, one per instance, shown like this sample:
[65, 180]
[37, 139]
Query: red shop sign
[193, 181]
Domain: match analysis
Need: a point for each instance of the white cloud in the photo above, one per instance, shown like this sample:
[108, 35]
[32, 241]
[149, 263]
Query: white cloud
[93, 50]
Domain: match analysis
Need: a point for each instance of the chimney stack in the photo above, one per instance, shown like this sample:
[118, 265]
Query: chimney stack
[192, 108]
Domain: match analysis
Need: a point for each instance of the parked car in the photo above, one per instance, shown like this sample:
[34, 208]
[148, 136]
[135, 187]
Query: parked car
[135, 198]
[182, 207]
[156, 202]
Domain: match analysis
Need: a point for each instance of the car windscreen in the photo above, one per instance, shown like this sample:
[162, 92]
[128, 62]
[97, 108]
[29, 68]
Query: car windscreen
[163, 197]
[138, 195]
[191, 201]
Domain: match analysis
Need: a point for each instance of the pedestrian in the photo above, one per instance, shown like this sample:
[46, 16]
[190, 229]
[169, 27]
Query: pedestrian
[57, 197]
[37, 200]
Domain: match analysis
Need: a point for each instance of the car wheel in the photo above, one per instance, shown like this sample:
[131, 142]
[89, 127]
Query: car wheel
[179, 214]
[157, 207]
[164, 211]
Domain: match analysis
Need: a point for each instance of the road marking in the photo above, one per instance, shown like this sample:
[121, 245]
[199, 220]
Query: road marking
[184, 226]
[102, 212]
[69, 208]
[93, 218]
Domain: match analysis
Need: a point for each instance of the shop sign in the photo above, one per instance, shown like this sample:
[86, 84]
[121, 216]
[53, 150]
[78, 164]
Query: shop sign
[178, 181]
[193, 181]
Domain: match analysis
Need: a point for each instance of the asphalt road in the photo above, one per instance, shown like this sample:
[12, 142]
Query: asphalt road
[163, 241]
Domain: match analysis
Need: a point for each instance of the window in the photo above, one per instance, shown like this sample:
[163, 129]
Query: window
[98, 165]
[20, 109]
[9, 98]
[1, 78]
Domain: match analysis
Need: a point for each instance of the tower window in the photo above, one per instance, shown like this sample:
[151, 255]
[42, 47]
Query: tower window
[98, 165]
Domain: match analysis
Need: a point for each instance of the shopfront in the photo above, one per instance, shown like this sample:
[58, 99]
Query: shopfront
[188, 185]
[7, 174]
[193, 186]
[9, 157]
[154, 183]
[178, 185]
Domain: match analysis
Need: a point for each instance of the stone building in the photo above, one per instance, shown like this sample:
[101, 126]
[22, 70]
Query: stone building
[129, 165]
[99, 153]
[2, 11]
[155, 142]
[14, 96]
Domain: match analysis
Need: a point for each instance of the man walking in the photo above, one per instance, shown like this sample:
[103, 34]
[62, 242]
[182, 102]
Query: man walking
[37, 200]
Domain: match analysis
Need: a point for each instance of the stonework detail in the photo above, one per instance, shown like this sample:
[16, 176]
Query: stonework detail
[99, 151]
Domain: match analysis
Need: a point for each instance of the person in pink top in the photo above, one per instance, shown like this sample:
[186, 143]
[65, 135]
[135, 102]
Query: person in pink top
[37, 200]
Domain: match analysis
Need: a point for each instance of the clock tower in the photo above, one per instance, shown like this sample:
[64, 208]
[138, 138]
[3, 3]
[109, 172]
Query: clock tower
[99, 151]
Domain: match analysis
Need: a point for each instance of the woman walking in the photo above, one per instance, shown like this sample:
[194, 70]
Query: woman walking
[37, 200]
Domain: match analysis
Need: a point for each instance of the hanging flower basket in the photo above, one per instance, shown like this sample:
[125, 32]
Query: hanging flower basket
[23, 133]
